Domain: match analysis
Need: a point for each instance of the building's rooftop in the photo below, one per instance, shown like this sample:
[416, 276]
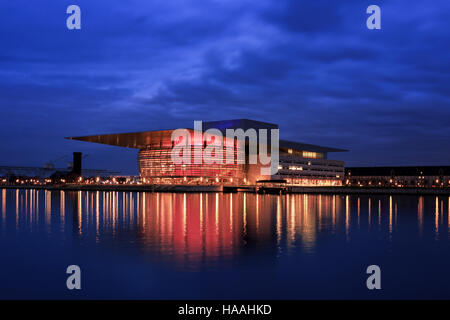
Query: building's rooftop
[140, 140]
[137, 140]
[308, 147]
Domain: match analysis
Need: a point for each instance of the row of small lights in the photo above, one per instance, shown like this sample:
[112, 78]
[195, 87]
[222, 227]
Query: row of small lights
[396, 183]
[96, 180]
[294, 167]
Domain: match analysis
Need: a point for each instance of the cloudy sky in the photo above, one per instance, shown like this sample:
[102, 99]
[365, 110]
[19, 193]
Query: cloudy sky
[311, 66]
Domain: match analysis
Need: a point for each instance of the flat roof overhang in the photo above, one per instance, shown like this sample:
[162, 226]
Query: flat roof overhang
[136, 140]
[307, 147]
[141, 140]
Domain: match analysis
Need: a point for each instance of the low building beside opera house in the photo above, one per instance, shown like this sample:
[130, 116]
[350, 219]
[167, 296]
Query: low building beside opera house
[407, 176]
[299, 163]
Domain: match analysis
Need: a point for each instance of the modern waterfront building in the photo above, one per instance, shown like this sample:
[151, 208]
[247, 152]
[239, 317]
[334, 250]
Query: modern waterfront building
[299, 163]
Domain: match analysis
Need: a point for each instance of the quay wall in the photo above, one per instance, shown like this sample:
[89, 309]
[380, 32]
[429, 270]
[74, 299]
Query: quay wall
[251, 189]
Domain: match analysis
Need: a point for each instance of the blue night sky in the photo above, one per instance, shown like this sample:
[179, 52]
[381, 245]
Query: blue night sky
[311, 66]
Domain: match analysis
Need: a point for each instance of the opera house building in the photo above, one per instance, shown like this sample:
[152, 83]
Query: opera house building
[299, 163]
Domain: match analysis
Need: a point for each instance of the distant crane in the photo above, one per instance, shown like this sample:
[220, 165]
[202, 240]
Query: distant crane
[51, 164]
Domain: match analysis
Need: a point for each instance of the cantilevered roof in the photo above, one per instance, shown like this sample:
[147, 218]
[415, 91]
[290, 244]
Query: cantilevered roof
[138, 140]
[307, 147]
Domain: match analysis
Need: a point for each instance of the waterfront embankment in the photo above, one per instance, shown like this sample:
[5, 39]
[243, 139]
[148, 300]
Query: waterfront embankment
[246, 188]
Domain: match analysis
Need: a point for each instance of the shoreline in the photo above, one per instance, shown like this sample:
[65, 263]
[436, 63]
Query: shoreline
[233, 189]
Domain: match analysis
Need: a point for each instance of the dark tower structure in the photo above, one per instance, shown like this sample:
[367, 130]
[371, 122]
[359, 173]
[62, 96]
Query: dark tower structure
[77, 163]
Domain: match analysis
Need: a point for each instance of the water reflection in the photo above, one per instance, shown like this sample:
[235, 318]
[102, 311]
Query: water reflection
[195, 230]
[3, 207]
[436, 214]
[390, 216]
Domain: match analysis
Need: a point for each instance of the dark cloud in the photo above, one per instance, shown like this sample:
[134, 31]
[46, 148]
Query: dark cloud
[305, 16]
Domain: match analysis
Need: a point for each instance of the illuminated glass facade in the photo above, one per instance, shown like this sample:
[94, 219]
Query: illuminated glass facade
[156, 164]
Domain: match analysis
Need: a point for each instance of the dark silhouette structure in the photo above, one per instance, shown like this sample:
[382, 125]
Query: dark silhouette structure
[77, 157]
